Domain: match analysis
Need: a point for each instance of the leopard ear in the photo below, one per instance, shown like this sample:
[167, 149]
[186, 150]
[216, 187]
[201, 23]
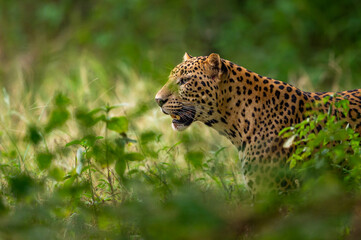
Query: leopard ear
[214, 61]
[216, 66]
[186, 56]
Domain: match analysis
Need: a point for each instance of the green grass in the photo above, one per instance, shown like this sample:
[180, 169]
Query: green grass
[88, 154]
[130, 155]
[85, 153]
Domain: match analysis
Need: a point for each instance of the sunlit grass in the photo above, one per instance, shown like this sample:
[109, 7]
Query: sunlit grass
[88, 85]
[189, 181]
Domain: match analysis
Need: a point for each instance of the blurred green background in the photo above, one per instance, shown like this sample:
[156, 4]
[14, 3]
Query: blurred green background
[277, 38]
[86, 72]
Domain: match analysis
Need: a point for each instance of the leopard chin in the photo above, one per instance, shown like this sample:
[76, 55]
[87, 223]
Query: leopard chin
[179, 126]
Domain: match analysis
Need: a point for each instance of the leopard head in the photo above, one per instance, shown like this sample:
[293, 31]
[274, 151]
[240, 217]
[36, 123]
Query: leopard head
[191, 93]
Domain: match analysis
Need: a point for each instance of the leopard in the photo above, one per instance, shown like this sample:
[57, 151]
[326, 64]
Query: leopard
[248, 109]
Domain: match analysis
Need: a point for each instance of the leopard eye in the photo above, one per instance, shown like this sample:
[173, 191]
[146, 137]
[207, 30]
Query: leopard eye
[182, 81]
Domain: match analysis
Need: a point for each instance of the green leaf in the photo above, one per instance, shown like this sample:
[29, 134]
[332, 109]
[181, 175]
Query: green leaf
[57, 118]
[285, 130]
[118, 124]
[346, 106]
[90, 140]
[133, 156]
[21, 185]
[293, 163]
[120, 167]
[88, 118]
[61, 100]
[34, 134]
[219, 151]
[87, 141]
[108, 108]
[56, 174]
[59, 115]
[74, 142]
[147, 137]
[44, 160]
[321, 117]
[133, 171]
[195, 158]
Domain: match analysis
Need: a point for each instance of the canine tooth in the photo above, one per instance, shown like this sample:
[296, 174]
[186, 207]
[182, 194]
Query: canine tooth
[175, 117]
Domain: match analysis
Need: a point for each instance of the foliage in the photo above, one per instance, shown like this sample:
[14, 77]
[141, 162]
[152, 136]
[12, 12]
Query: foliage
[299, 36]
[86, 154]
[325, 143]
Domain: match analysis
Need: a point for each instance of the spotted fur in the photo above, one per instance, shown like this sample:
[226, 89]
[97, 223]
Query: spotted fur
[249, 109]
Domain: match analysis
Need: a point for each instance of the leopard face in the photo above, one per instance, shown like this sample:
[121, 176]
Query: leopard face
[191, 91]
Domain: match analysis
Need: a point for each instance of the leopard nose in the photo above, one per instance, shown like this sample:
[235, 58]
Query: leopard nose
[161, 101]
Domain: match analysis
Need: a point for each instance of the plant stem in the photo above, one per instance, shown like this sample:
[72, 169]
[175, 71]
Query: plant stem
[106, 156]
[93, 195]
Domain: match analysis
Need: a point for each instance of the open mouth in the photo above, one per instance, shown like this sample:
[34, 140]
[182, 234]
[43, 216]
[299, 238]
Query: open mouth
[183, 118]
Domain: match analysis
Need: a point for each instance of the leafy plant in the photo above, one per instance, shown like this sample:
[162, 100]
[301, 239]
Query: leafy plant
[324, 142]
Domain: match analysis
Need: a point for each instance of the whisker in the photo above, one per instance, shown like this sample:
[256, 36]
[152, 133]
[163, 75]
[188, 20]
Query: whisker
[187, 114]
[189, 110]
